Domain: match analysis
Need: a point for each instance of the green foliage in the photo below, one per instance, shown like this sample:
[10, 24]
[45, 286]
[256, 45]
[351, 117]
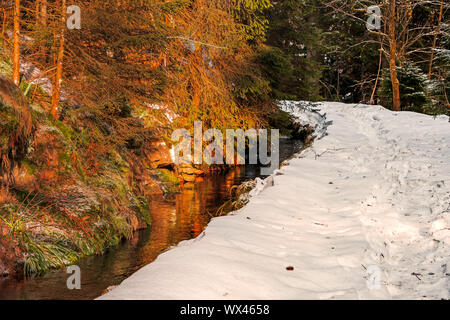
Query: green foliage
[169, 181]
[120, 228]
[295, 28]
[42, 257]
[143, 207]
[5, 61]
[276, 67]
[439, 87]
[283, 121]
[413, 84]
[40, 254]
[249, 14]
[250, 89]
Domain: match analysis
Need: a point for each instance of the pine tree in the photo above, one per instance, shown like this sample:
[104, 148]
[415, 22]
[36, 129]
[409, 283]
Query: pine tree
[295, 29]
[439, 86]
[412, 89]
[250, 17]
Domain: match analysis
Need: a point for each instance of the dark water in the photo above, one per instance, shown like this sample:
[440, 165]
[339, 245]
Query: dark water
[175, 220]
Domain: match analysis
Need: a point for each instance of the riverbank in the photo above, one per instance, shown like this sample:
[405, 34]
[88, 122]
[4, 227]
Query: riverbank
[77, 186]
[174, 219]
[372, 193]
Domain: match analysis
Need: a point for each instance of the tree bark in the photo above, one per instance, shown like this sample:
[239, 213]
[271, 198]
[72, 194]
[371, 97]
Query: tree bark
[438, 30]
[41, 12]
[16, 46]
[56, 92]
[380, 62]
[41, 21]
[392, 57]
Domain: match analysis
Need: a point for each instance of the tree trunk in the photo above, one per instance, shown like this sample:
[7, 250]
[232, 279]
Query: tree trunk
[41, 22]
[374, 90]
[41, 12]
[16, 48]
[56, 92]
[392, 58]
[438, 30]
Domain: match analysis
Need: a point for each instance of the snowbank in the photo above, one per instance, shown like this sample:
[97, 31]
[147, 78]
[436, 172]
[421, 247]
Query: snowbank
[372, 194]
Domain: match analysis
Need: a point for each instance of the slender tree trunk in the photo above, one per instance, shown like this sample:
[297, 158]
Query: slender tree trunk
[41, 21]
[56, 93]
[438, 30]
[392, 57]
[372, 97]
[338, 89]
[16, 47]
[41, 12]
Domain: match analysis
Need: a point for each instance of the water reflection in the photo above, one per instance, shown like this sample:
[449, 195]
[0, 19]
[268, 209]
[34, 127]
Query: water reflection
[174, 220]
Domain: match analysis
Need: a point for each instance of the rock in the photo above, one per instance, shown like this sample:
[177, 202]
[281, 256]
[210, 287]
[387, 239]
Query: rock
[23, 179]
[150, 187]
[188, 177]
[158, 155]
[189, 170]
[189, 173]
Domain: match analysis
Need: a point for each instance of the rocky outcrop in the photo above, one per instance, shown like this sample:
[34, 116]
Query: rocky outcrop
[157, 155]
[189, 173]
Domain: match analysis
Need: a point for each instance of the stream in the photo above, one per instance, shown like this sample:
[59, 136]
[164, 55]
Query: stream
[173, 220]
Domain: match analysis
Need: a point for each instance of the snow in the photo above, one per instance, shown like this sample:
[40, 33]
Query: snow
[168, 113]
[369, 200]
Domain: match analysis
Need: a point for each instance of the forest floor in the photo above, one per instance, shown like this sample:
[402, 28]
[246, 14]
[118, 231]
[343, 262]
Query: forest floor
[362, 214]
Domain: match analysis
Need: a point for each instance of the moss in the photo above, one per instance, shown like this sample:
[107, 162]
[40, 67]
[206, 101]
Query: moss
[67, 131]
[167, 176]
[5, 62]
[169, 180]
[65, 158]
[9, 123]
[144, 209]
[29, 166]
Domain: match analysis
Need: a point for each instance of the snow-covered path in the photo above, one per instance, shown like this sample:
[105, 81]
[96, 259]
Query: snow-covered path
[372, 197]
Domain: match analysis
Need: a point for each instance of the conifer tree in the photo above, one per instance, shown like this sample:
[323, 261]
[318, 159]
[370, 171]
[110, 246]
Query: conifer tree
[295, 29]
